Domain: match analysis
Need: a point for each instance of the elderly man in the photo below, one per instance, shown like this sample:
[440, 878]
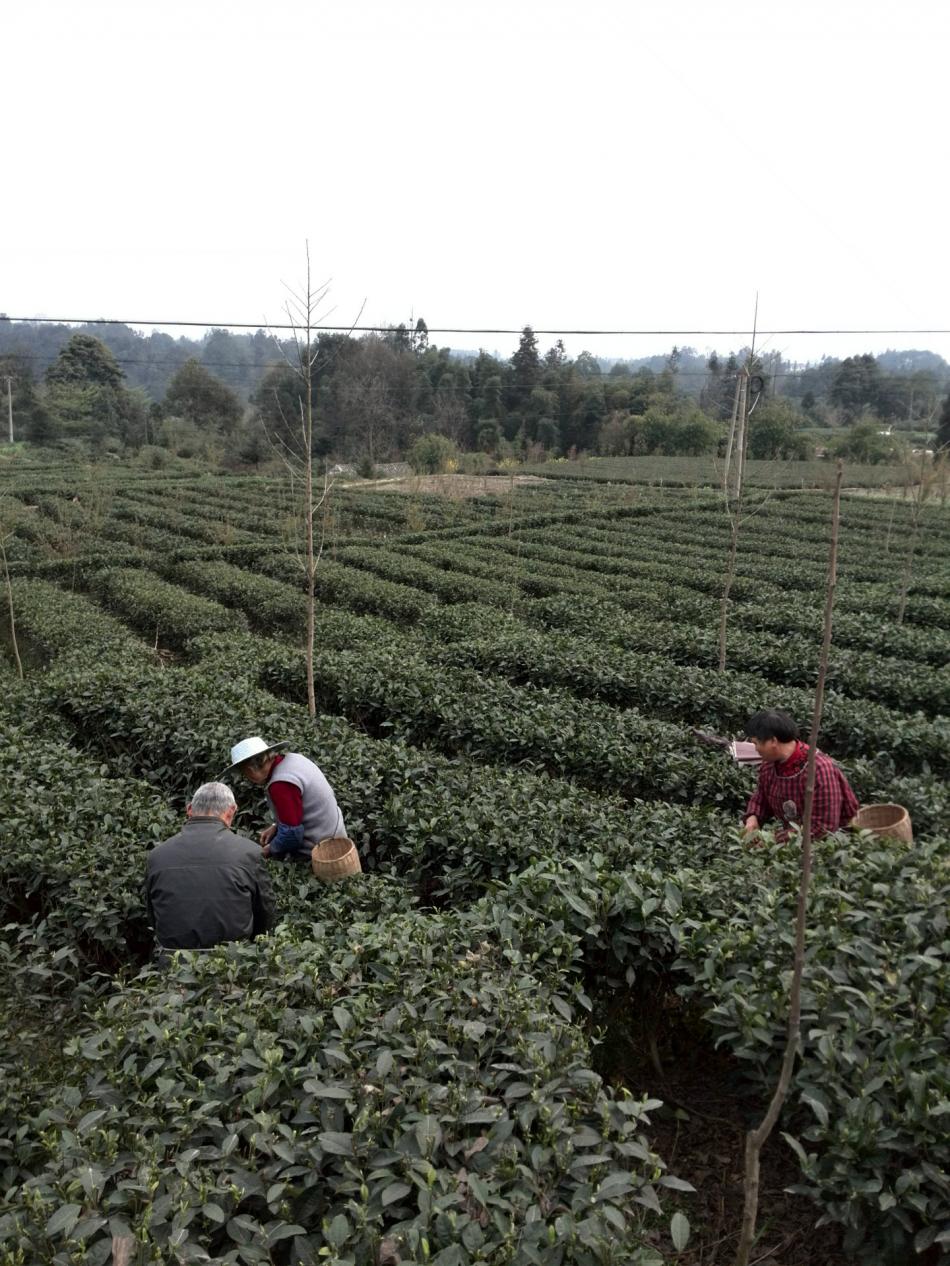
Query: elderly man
[302, 801]
[780, 793]
[207, 885]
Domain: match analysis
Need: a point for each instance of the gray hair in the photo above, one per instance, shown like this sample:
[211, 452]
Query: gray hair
[212, 799]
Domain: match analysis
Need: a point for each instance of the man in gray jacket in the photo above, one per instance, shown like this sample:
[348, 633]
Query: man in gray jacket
[207, 885]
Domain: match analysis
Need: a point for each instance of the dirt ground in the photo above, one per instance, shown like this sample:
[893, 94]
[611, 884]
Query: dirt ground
[455, 487]
[700, 1133]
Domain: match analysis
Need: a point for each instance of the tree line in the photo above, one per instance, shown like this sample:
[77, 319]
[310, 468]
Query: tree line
[377, 395]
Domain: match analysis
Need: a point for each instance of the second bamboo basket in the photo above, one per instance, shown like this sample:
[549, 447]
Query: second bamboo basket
[885, 819]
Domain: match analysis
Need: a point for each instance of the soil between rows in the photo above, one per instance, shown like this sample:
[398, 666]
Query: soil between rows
[700, 1132]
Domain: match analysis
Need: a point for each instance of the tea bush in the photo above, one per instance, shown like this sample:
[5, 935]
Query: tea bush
[404, 1082]
[404, 1068]
[163, 610]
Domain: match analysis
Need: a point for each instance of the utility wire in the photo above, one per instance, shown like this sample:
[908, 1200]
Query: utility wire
[450, 329]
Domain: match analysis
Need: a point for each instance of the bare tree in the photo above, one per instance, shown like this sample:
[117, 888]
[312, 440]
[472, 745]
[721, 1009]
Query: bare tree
[755, 1139]
[376, 397]
[304, 310]
[451, 417]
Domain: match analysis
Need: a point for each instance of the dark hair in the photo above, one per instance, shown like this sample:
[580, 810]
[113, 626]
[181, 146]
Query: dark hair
[772, 723]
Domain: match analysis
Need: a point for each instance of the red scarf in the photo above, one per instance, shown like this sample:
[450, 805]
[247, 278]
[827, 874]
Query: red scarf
[795, 763]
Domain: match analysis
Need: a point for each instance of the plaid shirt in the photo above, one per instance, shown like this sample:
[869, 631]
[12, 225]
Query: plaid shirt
[833, 807]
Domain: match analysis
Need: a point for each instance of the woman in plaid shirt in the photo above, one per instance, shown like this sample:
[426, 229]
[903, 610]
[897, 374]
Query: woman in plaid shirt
[780, 794]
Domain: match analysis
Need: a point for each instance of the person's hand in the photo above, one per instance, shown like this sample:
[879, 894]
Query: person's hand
[751, 832]
[265, 851]
[266, 836]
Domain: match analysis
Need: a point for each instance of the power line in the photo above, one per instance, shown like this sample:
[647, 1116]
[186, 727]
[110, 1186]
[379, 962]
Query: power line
[449, 329]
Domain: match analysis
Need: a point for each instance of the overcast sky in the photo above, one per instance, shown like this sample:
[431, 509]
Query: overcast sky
[635, 164]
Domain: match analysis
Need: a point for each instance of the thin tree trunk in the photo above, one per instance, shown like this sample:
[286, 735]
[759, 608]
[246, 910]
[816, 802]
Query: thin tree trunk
[755, 1139]
[727, 587]
[730, 442]
[912, 546]
[742, 437]
[9, 587]
[906, 577]
[733, 489]
[890, 525]
[122, 1246]
[308, 474]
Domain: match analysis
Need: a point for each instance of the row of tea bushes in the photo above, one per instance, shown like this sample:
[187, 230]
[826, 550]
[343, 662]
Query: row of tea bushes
[715, 910]
[399, 692]
[52, 619]
[397, 689]
[446, 827]
[787, 661]
[704, 574]
[868, 1110]
[157, 608]
[274, 606]
[699, 696]
[398, 1089]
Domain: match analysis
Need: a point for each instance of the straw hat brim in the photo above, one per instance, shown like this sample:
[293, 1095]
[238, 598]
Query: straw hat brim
[274, 747]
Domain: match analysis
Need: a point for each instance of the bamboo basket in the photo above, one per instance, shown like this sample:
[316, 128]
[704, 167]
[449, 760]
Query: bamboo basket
[334, 859]
[885, 819]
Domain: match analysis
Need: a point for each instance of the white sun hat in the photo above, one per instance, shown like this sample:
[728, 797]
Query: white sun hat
[249, 747]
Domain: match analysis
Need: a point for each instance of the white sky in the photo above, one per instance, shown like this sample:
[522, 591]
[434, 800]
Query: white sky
[591, 164]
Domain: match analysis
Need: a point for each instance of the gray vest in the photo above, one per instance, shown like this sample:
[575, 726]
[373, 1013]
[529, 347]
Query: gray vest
[322, 818]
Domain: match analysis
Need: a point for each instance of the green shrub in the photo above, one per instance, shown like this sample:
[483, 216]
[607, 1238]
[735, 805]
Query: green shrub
[406, 1081]
[431, 454]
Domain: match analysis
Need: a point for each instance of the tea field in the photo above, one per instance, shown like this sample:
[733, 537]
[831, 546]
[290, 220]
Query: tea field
[467, 1054]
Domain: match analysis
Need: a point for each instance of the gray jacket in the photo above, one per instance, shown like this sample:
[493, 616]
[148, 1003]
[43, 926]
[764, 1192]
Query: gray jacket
[207, 885]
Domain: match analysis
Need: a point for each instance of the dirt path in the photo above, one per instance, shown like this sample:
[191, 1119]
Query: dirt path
[455, 487]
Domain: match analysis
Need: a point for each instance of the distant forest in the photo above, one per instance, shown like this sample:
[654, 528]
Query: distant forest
[111, 386]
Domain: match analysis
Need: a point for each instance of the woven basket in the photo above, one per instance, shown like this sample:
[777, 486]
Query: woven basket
[885, 819]
[335, 859]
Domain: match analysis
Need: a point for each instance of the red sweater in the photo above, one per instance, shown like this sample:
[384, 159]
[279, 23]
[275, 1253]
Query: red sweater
[287, 800]
[834, 805]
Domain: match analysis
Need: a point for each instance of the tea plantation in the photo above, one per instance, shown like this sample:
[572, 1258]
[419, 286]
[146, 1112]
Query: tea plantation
[420, 1065]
